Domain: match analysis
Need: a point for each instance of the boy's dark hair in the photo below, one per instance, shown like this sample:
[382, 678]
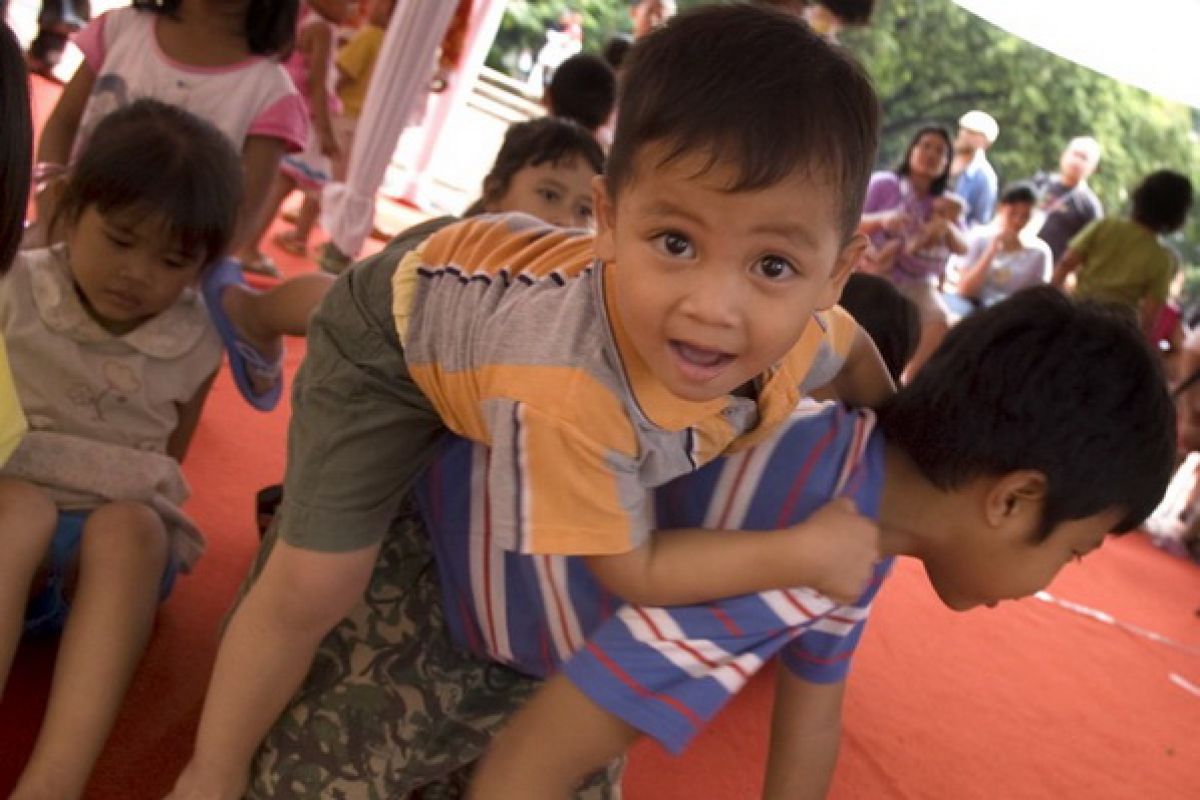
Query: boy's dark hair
[583, 90]
[16, 146]
[938, 185]
[528, 144]
[616, 48]
[889, 318]
[1019, 192]
[753, 87]
[270, 27]
[1162, 200]
[1042, 382]
[159, 160]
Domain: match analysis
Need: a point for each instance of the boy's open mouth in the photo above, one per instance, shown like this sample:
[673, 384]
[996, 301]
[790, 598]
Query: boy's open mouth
[700, 362]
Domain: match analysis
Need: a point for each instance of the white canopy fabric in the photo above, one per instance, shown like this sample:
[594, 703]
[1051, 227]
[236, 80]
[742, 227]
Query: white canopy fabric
[1150, 44]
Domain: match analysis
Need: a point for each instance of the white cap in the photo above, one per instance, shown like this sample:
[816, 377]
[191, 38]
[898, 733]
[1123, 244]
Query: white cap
[980, 122]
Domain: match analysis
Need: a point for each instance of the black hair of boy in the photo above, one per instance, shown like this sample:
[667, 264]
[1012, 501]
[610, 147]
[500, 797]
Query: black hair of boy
[889, 318]
[160, 160]
[1162, 200]
[755, 88]
[616, 49]
[16, 146]
[938, 185]
[584, 90]
[1043, 382]
[1019, 192]
[850, 12]
[531, 144]
[270, 25]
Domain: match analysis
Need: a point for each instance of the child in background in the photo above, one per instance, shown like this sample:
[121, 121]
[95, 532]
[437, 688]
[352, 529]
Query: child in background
[583, 90]
[93, 492]
[688, 325]
[994, 503]
[310, 66]
[1121, 260]
[16, 150]
[215, 60]
[355, 63]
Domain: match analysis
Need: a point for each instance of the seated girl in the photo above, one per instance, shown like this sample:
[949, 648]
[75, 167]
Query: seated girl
[112, 353]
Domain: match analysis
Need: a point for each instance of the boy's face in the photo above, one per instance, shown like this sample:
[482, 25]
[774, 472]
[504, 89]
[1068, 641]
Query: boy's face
[556, 192]
[714, 287]
[999, 557]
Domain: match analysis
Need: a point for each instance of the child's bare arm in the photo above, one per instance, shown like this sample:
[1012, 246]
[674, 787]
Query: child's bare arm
[832, 552]
[806, 730]
[863, 381]
[264, 656]
[320, 48]
[1070, 262]
[58, 136]
[189, 418]
[555, 741]
[260, 163]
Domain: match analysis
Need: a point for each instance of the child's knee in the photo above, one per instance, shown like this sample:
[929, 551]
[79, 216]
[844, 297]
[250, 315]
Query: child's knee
[128, 533]
[28, 507]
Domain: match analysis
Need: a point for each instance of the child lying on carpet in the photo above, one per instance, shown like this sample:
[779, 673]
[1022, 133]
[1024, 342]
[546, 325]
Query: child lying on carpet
[691, 323]
[112, 353]
[16, 147]
[987, 467]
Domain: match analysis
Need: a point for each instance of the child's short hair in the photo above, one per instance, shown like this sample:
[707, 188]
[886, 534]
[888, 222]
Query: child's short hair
[160, 160]
[850, 12]
[889, 318]
[616, 49]
[16, 146]
[1043, 382]
[584, 90]
[529, 144]
[753, 87]
[1019, 192]
[1162, 200]
[270, 25]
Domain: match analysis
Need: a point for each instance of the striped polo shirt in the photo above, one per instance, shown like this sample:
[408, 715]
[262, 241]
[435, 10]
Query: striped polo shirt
[666, 671]
[509, 329]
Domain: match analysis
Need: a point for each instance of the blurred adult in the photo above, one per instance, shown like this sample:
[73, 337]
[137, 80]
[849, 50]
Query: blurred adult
[910, 206]
[1002, 259]
[1068, 203]
[974, 178]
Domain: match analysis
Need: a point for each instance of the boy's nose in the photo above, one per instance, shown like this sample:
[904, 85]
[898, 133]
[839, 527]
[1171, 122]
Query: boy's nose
[714, 297]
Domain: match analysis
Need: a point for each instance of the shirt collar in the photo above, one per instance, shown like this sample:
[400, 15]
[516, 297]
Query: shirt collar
[168, 335]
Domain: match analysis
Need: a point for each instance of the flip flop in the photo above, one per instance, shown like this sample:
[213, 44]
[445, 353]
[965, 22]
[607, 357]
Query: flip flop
[262, 265]
[289, 242]
[245, 362]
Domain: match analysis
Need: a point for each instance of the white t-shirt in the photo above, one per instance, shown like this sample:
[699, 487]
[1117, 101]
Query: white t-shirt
[1009, 271]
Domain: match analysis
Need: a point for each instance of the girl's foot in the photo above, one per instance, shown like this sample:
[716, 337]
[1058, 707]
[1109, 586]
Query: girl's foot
[260, 264]
[290, 242]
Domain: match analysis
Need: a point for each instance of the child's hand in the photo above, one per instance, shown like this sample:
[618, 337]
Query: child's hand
[329, 145]
[838, 550]
[896, 222]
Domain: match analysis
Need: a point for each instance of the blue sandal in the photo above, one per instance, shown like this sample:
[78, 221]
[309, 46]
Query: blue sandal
[245, 362]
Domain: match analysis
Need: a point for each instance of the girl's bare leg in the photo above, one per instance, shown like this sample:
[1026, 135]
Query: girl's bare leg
[121, 561]
[27, 521]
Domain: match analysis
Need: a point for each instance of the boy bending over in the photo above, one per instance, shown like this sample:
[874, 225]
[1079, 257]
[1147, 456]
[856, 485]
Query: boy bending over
[595, 368]
[1039, 426]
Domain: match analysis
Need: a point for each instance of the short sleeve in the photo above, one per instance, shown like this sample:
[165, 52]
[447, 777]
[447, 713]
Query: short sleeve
[839, 332]
[284, 119]
[883, 193]
[1047, 260]
[356, 57]
[1086, 239]
[553, 489]
[90, 42]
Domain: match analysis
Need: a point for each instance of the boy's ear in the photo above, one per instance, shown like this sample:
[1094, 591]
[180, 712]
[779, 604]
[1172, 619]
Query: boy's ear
[851, 253]
[1017, 496]
[605, 214]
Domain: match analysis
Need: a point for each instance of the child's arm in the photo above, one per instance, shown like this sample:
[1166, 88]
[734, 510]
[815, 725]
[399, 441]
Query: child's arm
[863, 381]
[58, 136]
[806, 729]
[320, 47]
[555, 741]
[1070, 262]
[260, 163]
[189, 418]
[832, 552]
[264, 656]
[975, 275]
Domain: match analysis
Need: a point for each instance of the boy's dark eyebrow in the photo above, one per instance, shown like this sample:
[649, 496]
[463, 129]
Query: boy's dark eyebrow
[666, 208]
[796, 233]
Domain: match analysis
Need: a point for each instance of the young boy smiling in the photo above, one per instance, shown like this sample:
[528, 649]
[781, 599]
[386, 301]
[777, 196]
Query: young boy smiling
[594, 367]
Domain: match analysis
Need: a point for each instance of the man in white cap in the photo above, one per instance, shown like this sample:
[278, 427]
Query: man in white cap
[974, 179]
[1068, 203]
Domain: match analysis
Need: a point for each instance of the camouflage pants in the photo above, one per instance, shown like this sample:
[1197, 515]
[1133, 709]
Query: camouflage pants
[391, 707]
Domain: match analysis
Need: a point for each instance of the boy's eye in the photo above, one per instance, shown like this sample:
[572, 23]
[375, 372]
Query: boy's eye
[676, 244]
[549, 195]
[774, 267]
[585, 212]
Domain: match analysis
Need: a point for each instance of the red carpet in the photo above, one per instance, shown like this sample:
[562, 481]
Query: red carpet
[1026, 702]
